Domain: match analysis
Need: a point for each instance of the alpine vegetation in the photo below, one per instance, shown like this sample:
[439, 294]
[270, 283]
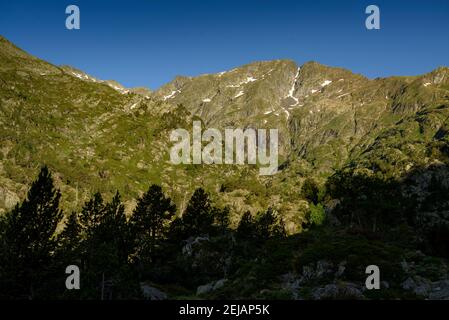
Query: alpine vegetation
[256, 146]
[358, 207]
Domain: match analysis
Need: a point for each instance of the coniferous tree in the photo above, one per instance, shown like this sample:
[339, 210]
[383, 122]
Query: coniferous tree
[69, 239]
[106, 244]
[268, 225]
[28, 239]
[91, 215]
[150, 221]
[246, 228]
[221, 217]
[198, 218]
[110, 238]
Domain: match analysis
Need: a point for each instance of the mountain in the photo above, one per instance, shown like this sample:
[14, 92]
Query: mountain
[363, 179]
[99, 136]
[113, 84]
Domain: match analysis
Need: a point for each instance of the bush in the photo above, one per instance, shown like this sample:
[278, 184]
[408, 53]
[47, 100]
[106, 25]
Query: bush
[316, 214]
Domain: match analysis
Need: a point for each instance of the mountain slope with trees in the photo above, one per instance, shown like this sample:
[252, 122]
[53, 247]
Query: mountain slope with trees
[363, 166]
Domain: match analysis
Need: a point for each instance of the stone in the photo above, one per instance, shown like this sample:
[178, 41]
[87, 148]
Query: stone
[439, 290]
[151, 293]
[211, 286]
[345, 290]
[323, 267]
[187, 249]
[341, 269]
[9, 198]
[418, 285]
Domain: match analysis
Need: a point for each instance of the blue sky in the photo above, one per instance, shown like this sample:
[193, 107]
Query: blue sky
[149, 42]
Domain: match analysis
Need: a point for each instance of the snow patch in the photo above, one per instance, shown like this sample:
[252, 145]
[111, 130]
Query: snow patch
[326, 83]
[119, 89]
[342, 95]
[427, 84]
[171, 95]
[292, 88]
[248, 80]
[80, 76]
[313, 90]
[206, 100]
[241, 93]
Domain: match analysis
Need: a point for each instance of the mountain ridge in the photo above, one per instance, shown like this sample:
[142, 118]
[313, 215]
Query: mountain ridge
[104, 139]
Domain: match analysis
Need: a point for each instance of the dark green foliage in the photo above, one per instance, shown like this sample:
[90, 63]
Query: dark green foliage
[91, 215]
[221, 219]
[268, 225]
[316, 215]
[370, 202]
[358, 252]
[310, 190]
[197, 219]
[107, 245]
[150, 220]
[246, 228]
[115, 254]
[70, 238]
[28, 240]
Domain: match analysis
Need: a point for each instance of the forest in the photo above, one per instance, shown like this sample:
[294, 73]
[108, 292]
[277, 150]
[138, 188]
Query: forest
[157, 253]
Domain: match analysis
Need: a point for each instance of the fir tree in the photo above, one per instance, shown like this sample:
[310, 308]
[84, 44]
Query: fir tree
[198, 216]
[269, 225]
[150, 220]
[221, 218]
[246, 228]
[28, 240]
[70, 239]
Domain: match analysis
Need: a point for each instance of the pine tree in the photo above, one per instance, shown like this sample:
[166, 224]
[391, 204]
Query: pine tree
[150, 220]
[28, 240]
[198, 216]
[106, 245]
[91, 214]
[69, 238]
[246, 228]
[268, 225]
[221, 219]
[112, 234]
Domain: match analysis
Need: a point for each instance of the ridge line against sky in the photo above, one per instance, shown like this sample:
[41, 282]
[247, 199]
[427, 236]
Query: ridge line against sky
[149, 42]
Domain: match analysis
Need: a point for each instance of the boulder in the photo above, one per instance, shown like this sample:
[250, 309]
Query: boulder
[211, 286]
[152, 293]
[187, 249]
[418, 285]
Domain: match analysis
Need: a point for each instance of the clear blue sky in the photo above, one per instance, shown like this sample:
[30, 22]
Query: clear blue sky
[148, 42]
